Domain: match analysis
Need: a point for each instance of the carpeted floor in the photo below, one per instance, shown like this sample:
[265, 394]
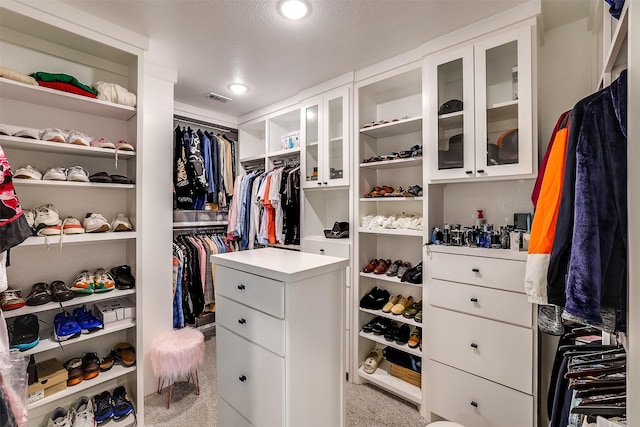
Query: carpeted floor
[366, 406]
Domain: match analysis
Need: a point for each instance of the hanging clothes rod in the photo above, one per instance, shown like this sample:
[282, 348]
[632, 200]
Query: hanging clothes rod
[196, 122]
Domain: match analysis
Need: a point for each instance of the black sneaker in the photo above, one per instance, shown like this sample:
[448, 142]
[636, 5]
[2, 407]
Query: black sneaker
[26, 332]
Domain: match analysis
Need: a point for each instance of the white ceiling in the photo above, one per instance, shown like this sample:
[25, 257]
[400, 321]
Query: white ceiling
[217, 42]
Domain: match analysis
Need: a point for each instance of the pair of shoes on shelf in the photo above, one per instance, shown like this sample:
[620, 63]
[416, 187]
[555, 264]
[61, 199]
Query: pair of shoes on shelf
[12, 299]
[413, 191]
[114, 405]
[398, 268]
[42, 293]
[397, 332]
[97, 223]
[401, 305]
[67, 326]
[96, 282]
[413, 275]
[123, 352]
[79, 415]
[106, 178]
[123, 277]
[375, 299]
[73, 173]
[82, 368]
[415, 339]
[411, 311]
[372, 361]
[102, 142]
[340, 230]
[24, 332]
[69, 137]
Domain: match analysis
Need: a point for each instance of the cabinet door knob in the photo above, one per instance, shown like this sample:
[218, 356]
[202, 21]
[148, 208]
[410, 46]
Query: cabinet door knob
[242, 378]
[325, 183]
[475, 270]
[474, 345]
[474, 404]
[242, 321]
[322, 251]
[474, 299]
[468, 172]
[480, 170]
[241, 287]
[319, 183]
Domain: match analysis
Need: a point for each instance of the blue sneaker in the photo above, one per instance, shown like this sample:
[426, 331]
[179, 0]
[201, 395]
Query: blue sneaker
[102, 407]
[87, 321]
[65, 327]
[122, 406]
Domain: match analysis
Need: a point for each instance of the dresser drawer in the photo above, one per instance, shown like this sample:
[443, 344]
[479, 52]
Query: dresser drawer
[453, 393]
[491, 303]
[489, 272]
[227, 416]
[493, 350]
[255, 291]
[250, 379]
[254, 325]
[326, 247]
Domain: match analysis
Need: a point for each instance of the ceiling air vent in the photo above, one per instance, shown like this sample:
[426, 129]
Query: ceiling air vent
[217, 97]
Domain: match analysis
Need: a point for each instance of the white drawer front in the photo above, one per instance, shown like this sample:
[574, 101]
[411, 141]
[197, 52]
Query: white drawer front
[452, 394]
[325, 247]
[254, 325]
[250, 379]
[255, 291]
[489, 272]
[491, 303]
[227, 416]
[493, 350]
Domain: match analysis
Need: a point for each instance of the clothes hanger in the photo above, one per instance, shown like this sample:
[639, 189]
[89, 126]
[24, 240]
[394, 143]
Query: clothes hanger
[603, 410]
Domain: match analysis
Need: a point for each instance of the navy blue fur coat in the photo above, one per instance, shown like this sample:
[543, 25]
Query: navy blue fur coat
[597, 277]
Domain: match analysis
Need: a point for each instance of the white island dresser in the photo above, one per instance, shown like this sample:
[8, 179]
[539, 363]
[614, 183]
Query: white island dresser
[280, 320]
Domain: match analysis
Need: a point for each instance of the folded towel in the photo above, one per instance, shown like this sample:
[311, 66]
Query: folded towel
[10, 73]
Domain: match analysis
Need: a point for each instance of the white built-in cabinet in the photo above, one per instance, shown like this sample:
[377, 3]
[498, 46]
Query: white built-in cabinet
[44, 260]
[325, 140]
[493, 79]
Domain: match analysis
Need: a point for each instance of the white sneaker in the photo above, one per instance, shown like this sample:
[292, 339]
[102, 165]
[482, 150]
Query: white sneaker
[59, 418]
[27, 172]
[79, 138]
[82, 413]
[95, 223]
[53, 135]
[31, 219]
[55, 174]
[46, 215]
[121, 223]
[71, 225]
[77, 173]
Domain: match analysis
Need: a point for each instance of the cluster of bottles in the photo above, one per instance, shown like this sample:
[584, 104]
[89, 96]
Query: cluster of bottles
[481, 235]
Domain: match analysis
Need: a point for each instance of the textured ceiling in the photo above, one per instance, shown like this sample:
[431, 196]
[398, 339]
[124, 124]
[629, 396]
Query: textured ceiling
[217, 42]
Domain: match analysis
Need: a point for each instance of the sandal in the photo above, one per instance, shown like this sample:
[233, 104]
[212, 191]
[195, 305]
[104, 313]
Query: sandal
[373, 360]
[125, 353]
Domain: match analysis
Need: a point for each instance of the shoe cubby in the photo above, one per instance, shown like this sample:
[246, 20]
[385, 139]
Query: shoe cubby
[28, 45]
[388, 163]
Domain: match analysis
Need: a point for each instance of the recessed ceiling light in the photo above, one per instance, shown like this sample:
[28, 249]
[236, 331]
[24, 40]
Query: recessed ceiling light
[294, 9]
[238, 88]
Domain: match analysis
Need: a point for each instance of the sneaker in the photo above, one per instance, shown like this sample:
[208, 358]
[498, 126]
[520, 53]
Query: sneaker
[65, 327]
[75, 374]
[103, 281]
[72, 225]
[78, 138]
[26, 332]
[40, 294]
[121, 223]
[53, 135]
[82, 413]
[102, 143]
[31, 220]
[59, 418]
[51, 230]
[56, 173]
[95, 223]
[87, 321]
[27, 133]
[122, 406]
[90, 365]
[45, 215]
[102, 407]
[27, 172]
[61, 292]
[83, 283]
[12, 299]
[77, 173]
[124, 145]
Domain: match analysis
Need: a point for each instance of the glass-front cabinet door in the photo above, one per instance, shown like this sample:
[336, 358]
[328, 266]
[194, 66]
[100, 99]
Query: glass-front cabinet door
[503, 93]
[337, 142]
[311, 135]
[450, 114]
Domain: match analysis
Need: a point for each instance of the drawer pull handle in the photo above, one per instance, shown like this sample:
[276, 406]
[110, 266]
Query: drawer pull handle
[474, 299]
[242, 378]
[468, 172]
[325, 183]
[475, 270]
[474, 345]
[242, 321]
[474, 404]
[322, 251]
[480, 170]
[241, 287]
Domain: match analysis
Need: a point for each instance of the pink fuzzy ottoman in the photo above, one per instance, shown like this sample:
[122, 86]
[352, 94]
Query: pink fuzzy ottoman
[176, 354]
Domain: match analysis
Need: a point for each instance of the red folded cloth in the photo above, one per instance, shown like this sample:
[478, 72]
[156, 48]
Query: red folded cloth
[66, 87]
